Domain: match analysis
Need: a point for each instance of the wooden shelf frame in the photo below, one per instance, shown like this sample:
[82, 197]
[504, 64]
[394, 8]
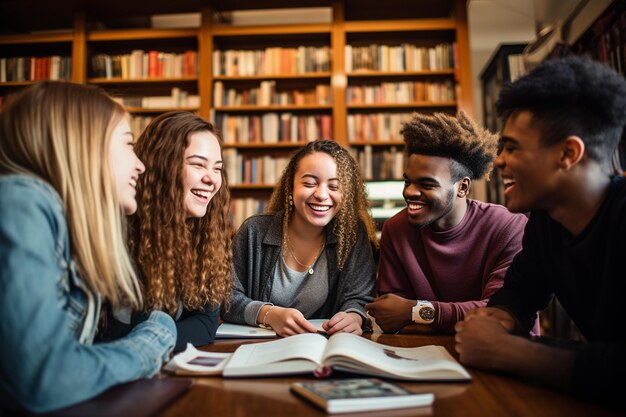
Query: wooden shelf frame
[337, 33]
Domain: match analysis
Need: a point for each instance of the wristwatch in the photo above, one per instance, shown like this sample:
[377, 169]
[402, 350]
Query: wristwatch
[423, 312]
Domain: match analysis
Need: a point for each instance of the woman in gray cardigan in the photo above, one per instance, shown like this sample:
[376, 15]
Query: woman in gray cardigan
[311, 255]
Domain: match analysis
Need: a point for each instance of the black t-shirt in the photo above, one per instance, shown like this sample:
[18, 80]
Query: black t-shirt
[587, 273]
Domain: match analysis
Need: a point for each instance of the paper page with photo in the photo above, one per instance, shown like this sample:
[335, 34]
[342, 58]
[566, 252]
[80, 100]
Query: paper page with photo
[195, 362]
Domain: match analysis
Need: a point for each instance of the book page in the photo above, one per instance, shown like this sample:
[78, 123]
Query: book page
[243, 331]
[359, 354]
[195, 362]
[308, 346]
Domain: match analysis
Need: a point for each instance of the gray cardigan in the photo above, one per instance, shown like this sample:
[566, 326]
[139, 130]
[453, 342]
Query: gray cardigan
[256, 251]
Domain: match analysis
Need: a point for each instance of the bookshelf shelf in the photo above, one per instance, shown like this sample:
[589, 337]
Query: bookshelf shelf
[378, 143]
[143, 110]
[16, 83]
[385, 74]
[398, 25]
[324, 109]
[140, 34]
[36, 38]
[247, 109]
[224, 30]
[245, 187]
[117, 80]
[381, 106]
[305, 76]
[262, 145]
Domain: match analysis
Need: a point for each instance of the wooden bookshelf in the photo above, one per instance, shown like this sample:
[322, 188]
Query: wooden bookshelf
[352, 23]
[605, 41]
[494, 75]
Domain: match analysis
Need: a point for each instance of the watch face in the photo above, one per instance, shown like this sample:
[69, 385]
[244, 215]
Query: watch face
[427, 313]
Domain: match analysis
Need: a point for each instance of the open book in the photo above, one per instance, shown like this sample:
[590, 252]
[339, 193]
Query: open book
[313, 353]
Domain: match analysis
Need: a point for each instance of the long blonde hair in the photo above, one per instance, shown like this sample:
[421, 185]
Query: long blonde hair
[60, 132]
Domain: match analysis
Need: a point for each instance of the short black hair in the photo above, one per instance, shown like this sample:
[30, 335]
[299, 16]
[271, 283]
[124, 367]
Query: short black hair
[571, 96]
[470, 147]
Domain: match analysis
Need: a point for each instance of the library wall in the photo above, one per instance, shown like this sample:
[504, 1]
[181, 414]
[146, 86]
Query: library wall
[354, 77]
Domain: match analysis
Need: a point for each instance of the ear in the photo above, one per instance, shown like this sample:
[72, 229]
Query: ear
[463, 187]
[573, 150]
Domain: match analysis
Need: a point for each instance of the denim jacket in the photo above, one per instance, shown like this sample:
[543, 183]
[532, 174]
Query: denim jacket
[48, 316]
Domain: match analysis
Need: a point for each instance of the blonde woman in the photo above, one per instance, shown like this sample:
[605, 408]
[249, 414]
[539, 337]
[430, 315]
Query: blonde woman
[180, 236]
[311, 255]
[67, 178]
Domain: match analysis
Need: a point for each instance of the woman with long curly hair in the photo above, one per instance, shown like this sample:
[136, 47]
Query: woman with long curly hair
[311, 255]
[180, 237]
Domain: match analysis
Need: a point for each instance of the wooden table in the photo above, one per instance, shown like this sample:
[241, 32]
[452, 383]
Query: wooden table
[488, 394]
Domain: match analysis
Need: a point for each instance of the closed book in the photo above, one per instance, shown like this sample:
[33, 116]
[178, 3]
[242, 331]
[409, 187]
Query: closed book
[364, 394]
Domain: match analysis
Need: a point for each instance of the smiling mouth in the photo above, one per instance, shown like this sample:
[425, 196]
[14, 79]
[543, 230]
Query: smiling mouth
[202, 194]
[415, 206]
[318, 208]
[508, 183]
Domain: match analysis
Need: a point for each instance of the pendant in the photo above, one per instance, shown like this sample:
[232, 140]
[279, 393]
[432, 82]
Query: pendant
[311, 271]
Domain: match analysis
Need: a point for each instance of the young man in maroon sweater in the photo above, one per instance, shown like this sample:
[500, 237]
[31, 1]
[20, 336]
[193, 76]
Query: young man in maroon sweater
[445, 254]
[563, 122]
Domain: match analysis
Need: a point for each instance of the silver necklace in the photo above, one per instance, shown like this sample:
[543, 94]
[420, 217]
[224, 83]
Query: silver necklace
[295, 258]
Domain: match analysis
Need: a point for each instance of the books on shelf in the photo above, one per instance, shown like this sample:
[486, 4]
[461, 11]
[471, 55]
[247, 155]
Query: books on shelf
[259, 170]
[314, 353]
[404, 57]
[31, 68]
[271, 61]
[268, 95]
[242, 208]
[381, 164]
[139, 64]
[377, 127]
[242, 331]
[401, 92]
[274, 127]
[139, 123]
[178, 98]
[364, 394]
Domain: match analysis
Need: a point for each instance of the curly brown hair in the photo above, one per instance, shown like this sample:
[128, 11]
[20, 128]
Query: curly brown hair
[179, 259]
[354, 208]
[458, 138]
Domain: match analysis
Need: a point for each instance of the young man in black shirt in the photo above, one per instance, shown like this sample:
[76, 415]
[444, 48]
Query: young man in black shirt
[563, 122]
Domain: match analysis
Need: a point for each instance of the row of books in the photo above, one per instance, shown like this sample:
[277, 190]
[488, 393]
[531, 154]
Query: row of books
[404, 57]
[247, 169]
[517, 66]
[609, 43]
[267, 94]
[141, 65]
[401, 92]
[381, 164]
[139, 123]
[274, 127]
[242, 208]
[32, 68]
[178, 98]
[273, 61]
[379, 127]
